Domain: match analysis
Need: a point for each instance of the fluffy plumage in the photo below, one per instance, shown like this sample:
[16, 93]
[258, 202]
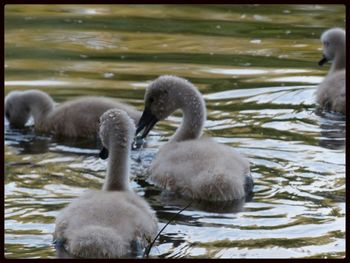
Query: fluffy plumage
[75, 118]
[330, 93]
[201, 169]
[105, 223]
[195, 167]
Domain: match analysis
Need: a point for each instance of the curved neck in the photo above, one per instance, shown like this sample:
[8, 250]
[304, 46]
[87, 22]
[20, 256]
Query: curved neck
[40, 105]
[194, 115]
[117, 178]
[339, 62]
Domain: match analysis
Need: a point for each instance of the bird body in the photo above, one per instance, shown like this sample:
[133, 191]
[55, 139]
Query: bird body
[75, 118]
[331, 93]
[105, 223]
[190, 164]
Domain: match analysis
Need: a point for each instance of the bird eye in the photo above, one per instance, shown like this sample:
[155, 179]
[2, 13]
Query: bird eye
[151, 99]
[7, 115]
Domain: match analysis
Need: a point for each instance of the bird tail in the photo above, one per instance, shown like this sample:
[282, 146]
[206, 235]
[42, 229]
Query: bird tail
[93, 241]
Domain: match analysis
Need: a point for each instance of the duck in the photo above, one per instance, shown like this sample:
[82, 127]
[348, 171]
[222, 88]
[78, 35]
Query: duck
[75, 118]
[190, 164]
[108, 223]
[330, 93]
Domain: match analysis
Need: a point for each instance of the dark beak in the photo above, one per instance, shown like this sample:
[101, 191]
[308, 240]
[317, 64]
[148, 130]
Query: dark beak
[103, 154]
[322, 61]
[147, 121]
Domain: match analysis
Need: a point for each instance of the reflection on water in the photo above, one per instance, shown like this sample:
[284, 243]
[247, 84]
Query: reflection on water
[36, 83]
[256, 66]
[254, 71]
[307, 79]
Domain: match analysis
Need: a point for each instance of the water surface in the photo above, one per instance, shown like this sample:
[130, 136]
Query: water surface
[256, 66]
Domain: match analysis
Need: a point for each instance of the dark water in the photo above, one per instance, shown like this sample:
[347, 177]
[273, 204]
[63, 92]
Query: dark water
[257, 68]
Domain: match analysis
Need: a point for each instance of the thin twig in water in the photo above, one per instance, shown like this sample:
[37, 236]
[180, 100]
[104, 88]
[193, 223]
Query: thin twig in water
[146, 253]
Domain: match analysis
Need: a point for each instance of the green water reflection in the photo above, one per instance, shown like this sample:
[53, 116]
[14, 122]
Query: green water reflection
[256, 66]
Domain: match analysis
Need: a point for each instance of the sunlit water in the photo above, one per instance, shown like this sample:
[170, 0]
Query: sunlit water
[256, 66]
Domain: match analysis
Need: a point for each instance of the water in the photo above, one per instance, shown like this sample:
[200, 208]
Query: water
[257, 68]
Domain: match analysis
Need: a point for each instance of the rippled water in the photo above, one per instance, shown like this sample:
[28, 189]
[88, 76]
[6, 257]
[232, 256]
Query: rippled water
[257, 68]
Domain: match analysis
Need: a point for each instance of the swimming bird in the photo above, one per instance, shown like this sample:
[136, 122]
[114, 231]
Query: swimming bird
[75, 118]
[106, 223]
[191, 164]
[330, 94]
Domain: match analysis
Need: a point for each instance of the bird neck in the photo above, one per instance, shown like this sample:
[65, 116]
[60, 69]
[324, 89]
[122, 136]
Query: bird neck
[118, 168]
[339, 60]
[338, 63]
[194, 115]
[40, 105]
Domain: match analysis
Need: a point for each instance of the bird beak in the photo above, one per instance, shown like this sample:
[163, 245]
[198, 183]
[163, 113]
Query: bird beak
[322, 61]
[147, 121]
[104, 153]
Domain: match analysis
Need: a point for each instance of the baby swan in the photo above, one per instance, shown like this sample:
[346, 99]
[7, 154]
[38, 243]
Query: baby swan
[104, 223]
[198, 168]
[75, 118]
[330, 93]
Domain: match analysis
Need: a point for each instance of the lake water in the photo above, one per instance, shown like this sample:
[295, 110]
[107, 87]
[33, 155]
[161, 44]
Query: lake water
[256, 66]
